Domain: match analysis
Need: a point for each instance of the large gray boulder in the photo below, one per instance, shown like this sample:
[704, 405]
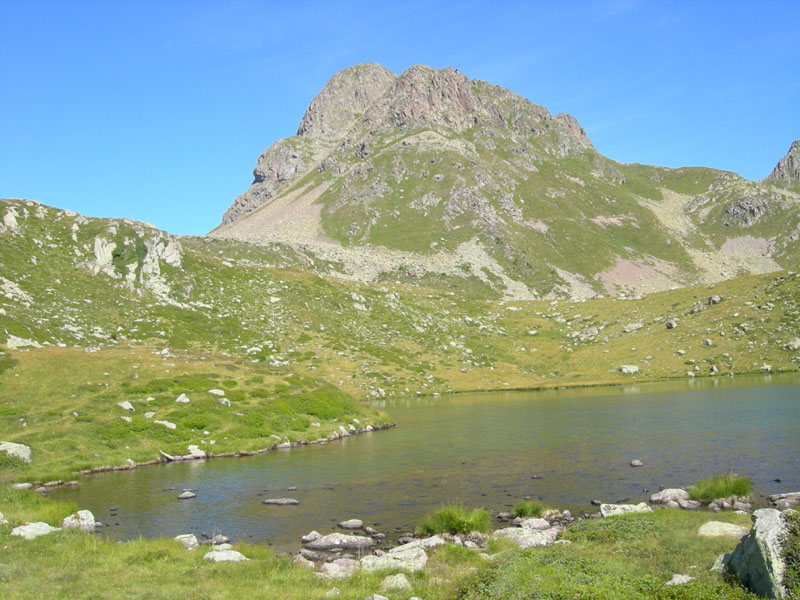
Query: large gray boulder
[83, 520]
[428, 542]
[784, 501]
[410, 559]
[757, 558]
[720, 529]
[527, 538]
[613, 510]
[30, 531]
[20, 451]
[225, 556]
[340, 540]
[340, 568]
[669, 495]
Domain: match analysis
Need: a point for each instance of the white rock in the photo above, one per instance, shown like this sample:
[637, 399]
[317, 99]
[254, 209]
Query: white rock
[527, 538]
[126, 419]
[182, 399]
[150, 414]
[22, 486]
[225, 556]
[125, 405]
[628, 369]
[196, 452]
[341, 540]
[410, 559]
[757, 560]
[83, 520]
[340, 568]
[224, 402]
[395, 582]
[187, 495]
[793, 344]
[188, 540]
[678, 579]
[719, 529]
[216, 392]
[352, 524]
[540, 524]
[30, 531]
[333, 592]
[20, 451]
[166, 424]
[612, 510]
[429, 542]
[310, 537]
[670, 494]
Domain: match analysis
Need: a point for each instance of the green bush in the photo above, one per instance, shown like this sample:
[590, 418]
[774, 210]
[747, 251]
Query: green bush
[455, 519]
[528, 508]
[720, 486]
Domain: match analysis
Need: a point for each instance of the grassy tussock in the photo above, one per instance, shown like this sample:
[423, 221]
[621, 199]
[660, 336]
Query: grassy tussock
[720, 486]
[455, 519]
[528, 508]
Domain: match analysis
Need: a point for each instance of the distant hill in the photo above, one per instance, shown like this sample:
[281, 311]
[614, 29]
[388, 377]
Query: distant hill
[433, 177]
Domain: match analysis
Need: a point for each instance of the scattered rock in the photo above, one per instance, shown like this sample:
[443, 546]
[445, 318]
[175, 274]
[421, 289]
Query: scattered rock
[30, 531]
[196, 452]
[784, 501]
[535, 523]
[793, 344]
[166, 424]
[628, 369]
[632, 327]
[281, 501]
[20, 451]
[333, 592]
[719, 529]
[182, 399]
[216, 392]
[678, 579]
[636, 463]
[22, 486]
[352, 524]
[395, 582]
[715, 299]
[310, 537]
[225, 556]
[186, 495]
[341, 568]
[527, 538]
[408, 559]
[429, 542]
[669, 495]
[757, 559]
[188, 540]
[83, 520]
[302, 561]
[612, 510]
[671, 323]
[126, 405]
[150, 414]
[3, 520]
[340, 540]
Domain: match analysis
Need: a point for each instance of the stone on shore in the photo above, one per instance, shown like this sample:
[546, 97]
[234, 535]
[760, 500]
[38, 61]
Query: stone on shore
[669, 495]
[720, 529]
[757, 559]
[429, 542]
[83, 520]
[409, 559]
[535, 523]
[196, 452]
[20, 451]
[30, 531]
[784, 501]
[310, 537]
[527, 538]
[340, 540]
[302, 561]
[341, 568]
[281, 501]
[613, 510]
[225, 556]
[188, 540]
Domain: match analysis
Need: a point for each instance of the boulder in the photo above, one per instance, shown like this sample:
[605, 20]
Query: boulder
[83, 520]
[527, 538]
[352, 524]
[281, 501]
[310, 537]
[535, 523]
[410, 559]
[188, 540]
[669, 495]
[186, 495]
[613, 510]
[719, 529]
[715, 299]
[395, 582]
[340, 540]
[757, 560]
[628, 369]
[166, 424]
[20, 451]
[225, 556]
[182, 399]
[216, 392]
[429, 542]
[671, 323]
[632, 327]
[126, 405]
[30, 531]
[636, 463]
[302, 561]
[793, 344]
[784, 501]
[196, 452]
[22, 486]
[341, 568]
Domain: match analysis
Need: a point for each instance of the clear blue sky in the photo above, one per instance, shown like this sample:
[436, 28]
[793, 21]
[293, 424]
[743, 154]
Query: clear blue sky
[157, 111]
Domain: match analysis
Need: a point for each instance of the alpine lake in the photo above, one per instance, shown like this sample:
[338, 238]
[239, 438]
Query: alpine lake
[564, 447]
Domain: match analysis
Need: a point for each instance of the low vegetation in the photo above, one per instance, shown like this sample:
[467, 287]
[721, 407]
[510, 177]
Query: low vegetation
[455, 519]
[528, 508]
[791, 555]
[720, 486]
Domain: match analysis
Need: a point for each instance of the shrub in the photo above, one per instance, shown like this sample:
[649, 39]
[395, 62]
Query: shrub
[528, 508]
[455, 519]
[720, 486]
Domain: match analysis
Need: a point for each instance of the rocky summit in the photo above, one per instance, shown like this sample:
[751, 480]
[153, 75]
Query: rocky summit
[432, 177]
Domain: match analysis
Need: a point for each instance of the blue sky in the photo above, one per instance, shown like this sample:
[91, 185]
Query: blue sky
[157, 111]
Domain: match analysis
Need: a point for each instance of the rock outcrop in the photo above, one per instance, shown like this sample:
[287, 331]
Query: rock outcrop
[788, 168]
[757, 560]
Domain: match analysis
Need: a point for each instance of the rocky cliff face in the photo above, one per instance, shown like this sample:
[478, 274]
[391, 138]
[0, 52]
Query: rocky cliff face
[788, 168]
[432, 174]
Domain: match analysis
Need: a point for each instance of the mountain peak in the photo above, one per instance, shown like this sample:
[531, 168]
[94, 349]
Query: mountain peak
[788, 167]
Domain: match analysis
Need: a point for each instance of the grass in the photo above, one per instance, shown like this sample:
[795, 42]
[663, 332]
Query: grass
[720, 486]
[455, 519]
[528, 508]
[791, 555]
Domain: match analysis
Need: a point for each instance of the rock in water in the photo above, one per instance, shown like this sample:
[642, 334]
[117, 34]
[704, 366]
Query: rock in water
[757, 560]
[281, 501]
[20, 451]
[637, 463]
[340, 540]
[186, 495]
[83, 520]
[352, 524]
[669, 495]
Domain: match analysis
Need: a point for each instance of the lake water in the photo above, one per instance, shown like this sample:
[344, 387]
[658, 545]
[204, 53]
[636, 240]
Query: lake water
[564, 447]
